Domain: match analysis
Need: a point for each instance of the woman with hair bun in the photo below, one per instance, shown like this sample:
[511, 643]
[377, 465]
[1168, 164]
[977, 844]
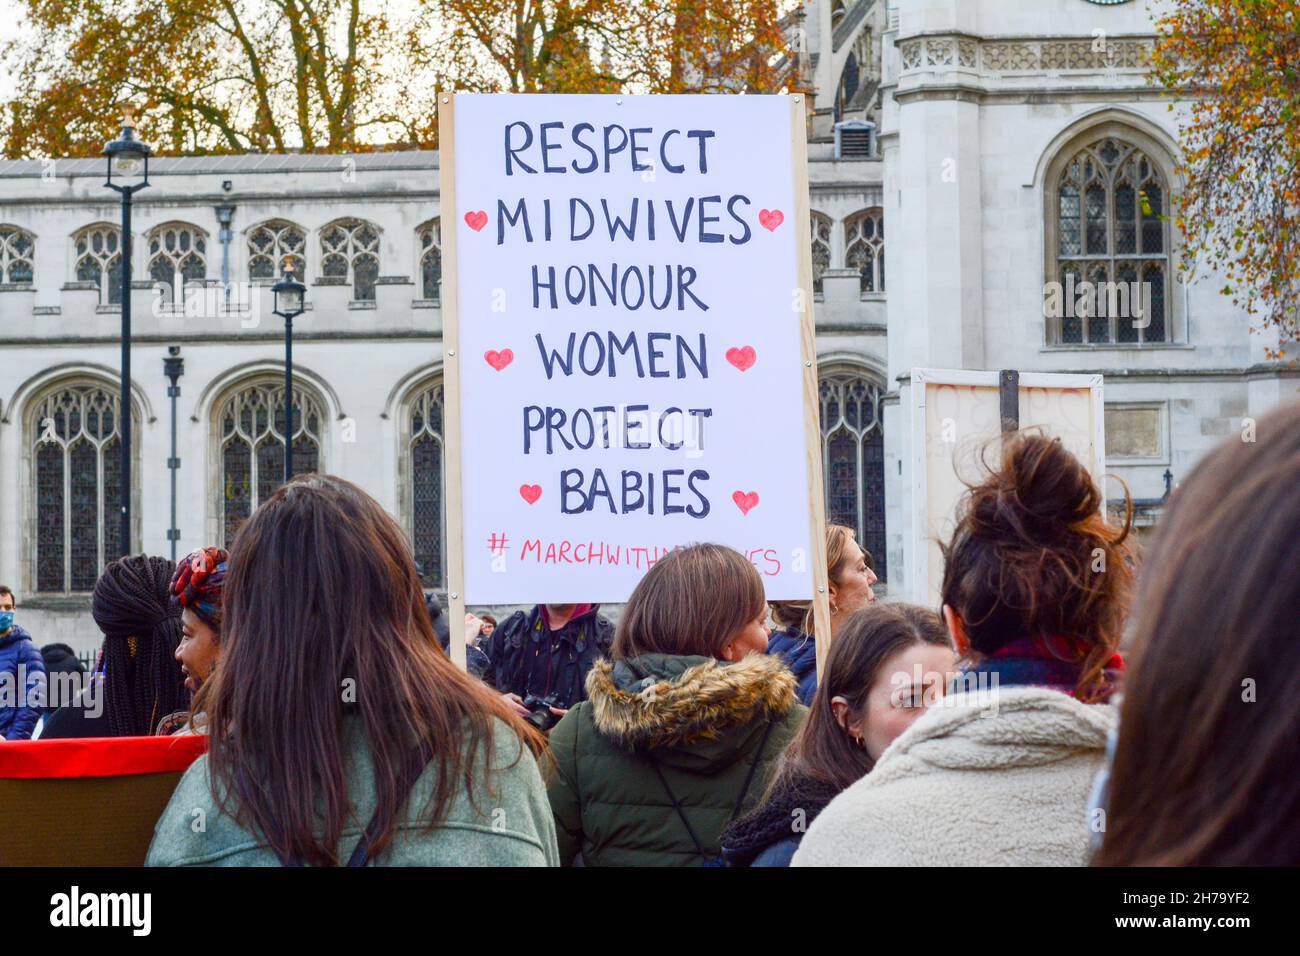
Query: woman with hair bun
[1035, 590]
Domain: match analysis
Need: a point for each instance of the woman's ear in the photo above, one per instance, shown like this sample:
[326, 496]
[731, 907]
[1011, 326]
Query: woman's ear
[956, 630]
[840, 710]
[729, 652]
[844, 717]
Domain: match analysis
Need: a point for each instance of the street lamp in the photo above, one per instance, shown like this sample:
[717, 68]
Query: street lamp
[290, 302]
[173, 368]
[128, 173]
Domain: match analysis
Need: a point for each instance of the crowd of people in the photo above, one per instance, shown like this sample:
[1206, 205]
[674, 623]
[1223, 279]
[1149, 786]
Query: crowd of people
[1065, 704]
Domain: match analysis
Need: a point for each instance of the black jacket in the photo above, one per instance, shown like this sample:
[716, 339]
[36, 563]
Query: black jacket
[525, 657]
[769, 835]
[476, 661]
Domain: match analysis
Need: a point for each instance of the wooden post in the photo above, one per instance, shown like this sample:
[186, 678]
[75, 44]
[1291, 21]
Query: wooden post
[449, 220]
[1009, 399]
[811, 401]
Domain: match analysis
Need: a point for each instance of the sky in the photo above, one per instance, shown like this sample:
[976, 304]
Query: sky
[11, 12]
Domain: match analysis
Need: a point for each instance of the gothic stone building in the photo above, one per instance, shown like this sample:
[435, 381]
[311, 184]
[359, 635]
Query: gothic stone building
[988, 146]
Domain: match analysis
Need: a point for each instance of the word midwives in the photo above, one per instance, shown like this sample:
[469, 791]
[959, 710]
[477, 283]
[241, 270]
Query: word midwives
[102, 909]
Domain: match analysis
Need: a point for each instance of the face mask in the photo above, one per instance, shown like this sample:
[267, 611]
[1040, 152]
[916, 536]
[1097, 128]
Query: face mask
[6, 620]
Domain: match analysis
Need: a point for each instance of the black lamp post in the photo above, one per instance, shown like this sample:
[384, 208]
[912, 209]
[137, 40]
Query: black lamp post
[173, 368]
[128, 173]
[289, 304]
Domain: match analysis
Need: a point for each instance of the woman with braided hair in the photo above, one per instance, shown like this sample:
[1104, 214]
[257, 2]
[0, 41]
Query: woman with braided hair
[138, 681]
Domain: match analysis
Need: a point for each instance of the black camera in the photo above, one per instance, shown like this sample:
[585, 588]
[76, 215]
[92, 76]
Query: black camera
[539, 711]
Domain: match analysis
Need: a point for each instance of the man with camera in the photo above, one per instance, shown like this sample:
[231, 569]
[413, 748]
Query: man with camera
[539, 659]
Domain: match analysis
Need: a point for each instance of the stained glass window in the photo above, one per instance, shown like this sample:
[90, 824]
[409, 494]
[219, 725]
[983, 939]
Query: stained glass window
[821, 248]
[251, 423]
[864, 248]
[350, 250]
[853, 453]
[17, 247]
[1110, 233]
[177, 255]
[425, 474]
[430, 235]
[99, 260]
[273, 247]
[77, 484]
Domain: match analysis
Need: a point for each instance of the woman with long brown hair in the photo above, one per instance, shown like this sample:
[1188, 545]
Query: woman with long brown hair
[1035, 590]
[681, 729]
[1209, 734]
[339, 731]
[850, 575]
[887, 665]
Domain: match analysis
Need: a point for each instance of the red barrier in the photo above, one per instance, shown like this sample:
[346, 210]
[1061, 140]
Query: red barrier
[99, 756]
[89, 801]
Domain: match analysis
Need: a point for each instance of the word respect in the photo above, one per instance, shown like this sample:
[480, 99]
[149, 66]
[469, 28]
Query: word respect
[531, 152]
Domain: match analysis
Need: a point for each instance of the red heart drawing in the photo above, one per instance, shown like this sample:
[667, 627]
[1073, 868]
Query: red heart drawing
[476, 220]
[530, 493]
[743, 358]
[770, 218]
[499, 360]
[745, 501]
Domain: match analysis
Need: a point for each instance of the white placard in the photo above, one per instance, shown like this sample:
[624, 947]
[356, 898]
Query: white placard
[956, 420]
[628, 316]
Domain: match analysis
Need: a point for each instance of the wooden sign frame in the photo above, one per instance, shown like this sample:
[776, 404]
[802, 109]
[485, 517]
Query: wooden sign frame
[918, 582]
[449, 215]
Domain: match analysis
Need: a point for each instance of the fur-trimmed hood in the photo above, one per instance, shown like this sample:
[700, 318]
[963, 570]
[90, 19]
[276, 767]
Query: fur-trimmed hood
[661, 701]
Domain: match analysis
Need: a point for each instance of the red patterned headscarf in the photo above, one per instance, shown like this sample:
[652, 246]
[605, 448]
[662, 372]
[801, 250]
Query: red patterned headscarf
[198, 582]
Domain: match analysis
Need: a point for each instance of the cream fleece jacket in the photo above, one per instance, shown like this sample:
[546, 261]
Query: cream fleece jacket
[964, 786]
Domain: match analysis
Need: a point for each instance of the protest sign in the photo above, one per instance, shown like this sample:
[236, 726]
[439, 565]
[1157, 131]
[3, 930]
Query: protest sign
[955, 416]
[628, 327]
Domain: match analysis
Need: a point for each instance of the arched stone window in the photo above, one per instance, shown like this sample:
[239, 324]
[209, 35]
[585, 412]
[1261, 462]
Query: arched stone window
[430, 236]
[98, 260]
[274, 244]
[864, 248]
[250, 433]
[853, 458]
[422, 472]
[177, 255]
[821, 248]
[1106, 229]
[74, 437]
[350, 251]
[17, 251]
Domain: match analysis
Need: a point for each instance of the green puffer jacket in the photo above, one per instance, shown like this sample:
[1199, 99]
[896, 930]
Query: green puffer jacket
[701, 720]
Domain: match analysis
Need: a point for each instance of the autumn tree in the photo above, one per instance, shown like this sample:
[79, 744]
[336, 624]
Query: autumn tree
[339, 75]
[1239, 210]
[217, 75]
[646, 46]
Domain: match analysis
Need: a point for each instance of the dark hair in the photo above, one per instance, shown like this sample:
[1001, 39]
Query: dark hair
[132, 606]
[1023, 558]
[693, 601]
[6, 590]
[800, 613]
[822, 749]
[1209, 733]
[323, 589]
[487, 619]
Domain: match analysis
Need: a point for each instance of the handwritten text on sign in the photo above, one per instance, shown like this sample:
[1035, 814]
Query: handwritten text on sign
[629, 319]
